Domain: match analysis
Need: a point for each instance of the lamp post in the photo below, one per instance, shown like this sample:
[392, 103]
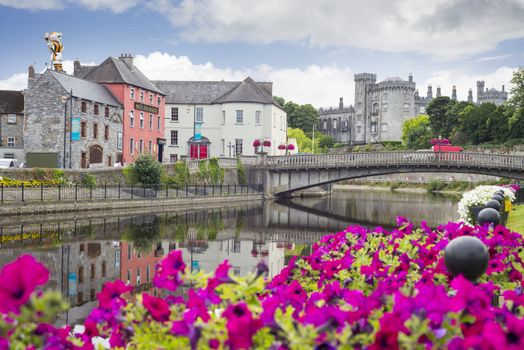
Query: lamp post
[64, 100]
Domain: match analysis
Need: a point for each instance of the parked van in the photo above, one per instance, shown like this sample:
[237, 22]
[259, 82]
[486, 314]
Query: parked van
[8, 163]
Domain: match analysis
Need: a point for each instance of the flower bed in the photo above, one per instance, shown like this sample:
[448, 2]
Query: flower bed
[7, 182]
[358, 289]
[478, 196]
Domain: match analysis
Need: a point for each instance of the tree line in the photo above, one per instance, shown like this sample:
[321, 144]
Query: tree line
[466, 123]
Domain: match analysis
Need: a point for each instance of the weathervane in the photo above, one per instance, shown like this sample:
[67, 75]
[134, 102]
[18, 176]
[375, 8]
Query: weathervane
[54, 43]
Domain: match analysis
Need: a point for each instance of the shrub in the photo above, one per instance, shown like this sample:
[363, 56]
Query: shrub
[145, 170]
[88, 180]
[241, 173]
[436, 185]
[182, 176]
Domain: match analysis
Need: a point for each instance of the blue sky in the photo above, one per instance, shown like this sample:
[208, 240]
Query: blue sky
[310, 49]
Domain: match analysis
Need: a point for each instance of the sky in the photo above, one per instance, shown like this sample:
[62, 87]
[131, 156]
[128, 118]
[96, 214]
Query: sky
[309, 49]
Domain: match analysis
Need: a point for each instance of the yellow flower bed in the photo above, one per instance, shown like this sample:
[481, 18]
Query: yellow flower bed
[6, 182]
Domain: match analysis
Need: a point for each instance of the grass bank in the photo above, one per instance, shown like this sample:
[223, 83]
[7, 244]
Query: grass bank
[516, 219]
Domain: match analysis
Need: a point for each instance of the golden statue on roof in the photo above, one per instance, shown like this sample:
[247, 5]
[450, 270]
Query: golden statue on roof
[54, 43]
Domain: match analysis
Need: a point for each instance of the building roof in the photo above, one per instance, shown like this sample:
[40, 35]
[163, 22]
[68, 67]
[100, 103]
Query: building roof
[11, 102]
[114, 70]
[393, 79]
[85, 89]
[209, 92]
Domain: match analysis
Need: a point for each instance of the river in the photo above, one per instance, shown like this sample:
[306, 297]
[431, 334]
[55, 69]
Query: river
[82, 253]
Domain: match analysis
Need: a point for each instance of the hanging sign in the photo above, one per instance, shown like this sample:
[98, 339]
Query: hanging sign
[75, 129]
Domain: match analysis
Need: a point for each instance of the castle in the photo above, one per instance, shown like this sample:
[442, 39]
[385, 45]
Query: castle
[381, 108]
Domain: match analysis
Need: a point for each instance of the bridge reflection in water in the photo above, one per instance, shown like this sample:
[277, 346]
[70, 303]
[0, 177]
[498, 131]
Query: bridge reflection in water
[82, 254]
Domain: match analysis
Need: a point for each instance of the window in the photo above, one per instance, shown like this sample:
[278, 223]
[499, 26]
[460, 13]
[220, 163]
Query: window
[385, 96]
[384, 107]
[132, 118]
[104, 269]
[106, 132]
[131, 146]
[92, 294]
[335, 124]
[80, 274]
[140, 146]
[150, 147]
[384, 127]
[158, 123]
[83, 107]
[95, 131]
[109, 161]
[83, 160]
[132, 94]
[141, 96]
[359, 117]
[11, 118]
[80, 298]
[150, 99]
[119, 140]
[200, 114]
[324, 123]
[236, 246]
[129, 250]
[10, 141]
[223, 117]
[238, 146]
[257, 117]
[93, 271]
[359, 129]
[174, 114]
[173, 158]
[159, 100]
[373, 128]
[83, 129]
[236, 271]
[128, 276]
[96, 109]
[106, 112]
[9, 155]
[150, 122]
[406, 106]
[141, 120]
[223, 144]
[147, 273]
[240, 117]
[174, 137]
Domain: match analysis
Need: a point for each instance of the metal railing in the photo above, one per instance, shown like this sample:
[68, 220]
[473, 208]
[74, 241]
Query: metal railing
[101, 192]
[430, 159]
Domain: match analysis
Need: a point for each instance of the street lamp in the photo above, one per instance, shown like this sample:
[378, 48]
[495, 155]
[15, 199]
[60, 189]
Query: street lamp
[64, 100]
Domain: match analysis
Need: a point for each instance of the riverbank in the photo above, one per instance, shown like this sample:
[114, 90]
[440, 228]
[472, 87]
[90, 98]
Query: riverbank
[516, 219]
[130, 205]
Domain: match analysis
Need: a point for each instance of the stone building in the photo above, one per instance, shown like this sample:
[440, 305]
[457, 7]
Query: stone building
[381, 108]
[11, 124]
[492, 95]
[337, 121]
[53, 102]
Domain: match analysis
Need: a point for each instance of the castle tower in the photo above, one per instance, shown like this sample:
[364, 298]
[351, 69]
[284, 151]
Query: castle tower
[438, 91]
[363, 81]
[341, 103]
[454, 93]
[480, 90]
[430, 92]
[470, 96]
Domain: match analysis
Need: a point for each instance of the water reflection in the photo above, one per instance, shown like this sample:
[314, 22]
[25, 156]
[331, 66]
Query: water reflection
[84, 253]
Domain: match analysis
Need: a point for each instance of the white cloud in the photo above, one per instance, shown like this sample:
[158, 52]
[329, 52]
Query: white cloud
[441, 28]
[494, 58]
[318, 85]
[15, 82]
[116, 6]
[464, 81]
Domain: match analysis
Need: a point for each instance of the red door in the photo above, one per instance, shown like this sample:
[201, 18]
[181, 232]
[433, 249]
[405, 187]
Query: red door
[203, 152]
[198, 151]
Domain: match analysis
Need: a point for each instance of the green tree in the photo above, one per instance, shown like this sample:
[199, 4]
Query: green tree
[443, 115]
[498, 124]
[473, 122]
[325, 142]
[303, 142]
[516, 124]
[279, 100]
[301, 116]
[145, 170]
[517, 92]
[416, 132]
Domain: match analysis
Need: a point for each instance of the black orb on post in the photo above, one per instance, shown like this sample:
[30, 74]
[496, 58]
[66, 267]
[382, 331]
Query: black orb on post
[494, 204]
[466, 256]
[498, 198]
[488, 216]
[500, 193]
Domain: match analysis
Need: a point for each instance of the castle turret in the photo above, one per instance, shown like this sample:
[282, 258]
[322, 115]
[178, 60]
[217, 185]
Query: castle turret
[454, 93]
[439, 93]
[430, 92]
[480, 90]
[410, 78]
[503, 88]
[470, 96]
[341, 103]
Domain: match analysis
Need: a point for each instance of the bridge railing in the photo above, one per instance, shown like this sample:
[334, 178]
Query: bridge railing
[396, 159]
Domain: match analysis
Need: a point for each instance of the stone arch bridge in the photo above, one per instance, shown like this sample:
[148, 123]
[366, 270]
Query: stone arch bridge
[282, 175]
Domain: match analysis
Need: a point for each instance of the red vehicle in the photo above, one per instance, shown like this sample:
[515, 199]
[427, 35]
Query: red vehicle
[445, 152]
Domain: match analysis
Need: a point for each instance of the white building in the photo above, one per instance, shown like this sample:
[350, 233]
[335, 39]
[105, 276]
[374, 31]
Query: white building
[230, 116]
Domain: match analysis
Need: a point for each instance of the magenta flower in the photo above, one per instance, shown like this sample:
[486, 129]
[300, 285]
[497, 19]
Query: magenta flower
[168, 274]
[18, 281]
[158, 308]
[240, 326]
[111, 295]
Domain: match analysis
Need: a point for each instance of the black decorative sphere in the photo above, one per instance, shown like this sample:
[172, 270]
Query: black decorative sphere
[488, 216]
[492, 203]
[498, 198]
[466, 256]
[500, 193]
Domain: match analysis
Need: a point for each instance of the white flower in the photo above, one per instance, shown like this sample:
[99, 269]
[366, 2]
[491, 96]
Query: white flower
[478, 197]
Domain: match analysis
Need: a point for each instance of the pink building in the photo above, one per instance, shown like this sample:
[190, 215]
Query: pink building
[143, 103]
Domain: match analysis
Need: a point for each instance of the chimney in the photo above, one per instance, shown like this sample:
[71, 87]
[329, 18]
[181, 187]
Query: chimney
[410, 78]
[439, 93]
[454, 93]
[77, 68]
[341, 103]
[470, 96]
[430, 91]
[31, 76]
[128, 59]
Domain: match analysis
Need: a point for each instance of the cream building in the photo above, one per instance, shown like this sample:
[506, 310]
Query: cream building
[220, 118]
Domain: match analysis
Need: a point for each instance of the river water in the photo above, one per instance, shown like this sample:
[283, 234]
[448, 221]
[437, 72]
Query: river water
[83, 251]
